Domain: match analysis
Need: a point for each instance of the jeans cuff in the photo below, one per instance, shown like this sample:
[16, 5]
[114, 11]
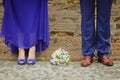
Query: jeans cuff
[102, 54]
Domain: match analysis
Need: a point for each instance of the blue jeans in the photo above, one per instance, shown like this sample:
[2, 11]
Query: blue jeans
[95, 34]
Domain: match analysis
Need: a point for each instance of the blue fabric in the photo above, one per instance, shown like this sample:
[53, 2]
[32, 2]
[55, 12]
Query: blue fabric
[25, 24]
[95, 37]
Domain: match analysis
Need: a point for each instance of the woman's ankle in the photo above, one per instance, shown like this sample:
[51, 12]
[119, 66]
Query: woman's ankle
[32, 52]
[21, 53]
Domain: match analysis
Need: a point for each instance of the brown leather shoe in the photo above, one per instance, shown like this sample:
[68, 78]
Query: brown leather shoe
[87, 60]
[105, 60]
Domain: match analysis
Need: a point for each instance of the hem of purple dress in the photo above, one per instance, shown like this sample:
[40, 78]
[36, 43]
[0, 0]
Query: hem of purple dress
[41, 45]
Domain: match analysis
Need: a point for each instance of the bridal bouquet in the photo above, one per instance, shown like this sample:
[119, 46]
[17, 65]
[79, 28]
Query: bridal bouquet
[60, 57]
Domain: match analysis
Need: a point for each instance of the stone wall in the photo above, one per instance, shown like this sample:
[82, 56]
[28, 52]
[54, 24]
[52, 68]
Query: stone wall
[64, 18]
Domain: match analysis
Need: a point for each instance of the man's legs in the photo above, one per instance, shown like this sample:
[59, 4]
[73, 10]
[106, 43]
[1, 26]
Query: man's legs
[103, 26]
[88, 27]
[88, 31]
[103, 31]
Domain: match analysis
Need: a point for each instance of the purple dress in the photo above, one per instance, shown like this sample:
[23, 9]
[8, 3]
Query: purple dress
[25, 24]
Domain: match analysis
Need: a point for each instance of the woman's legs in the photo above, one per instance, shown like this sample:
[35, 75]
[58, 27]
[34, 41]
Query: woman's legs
[32, 53]
[21, 56]
[32, 56]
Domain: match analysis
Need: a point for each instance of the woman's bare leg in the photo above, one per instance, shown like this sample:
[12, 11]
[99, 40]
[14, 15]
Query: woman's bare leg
[32, 51]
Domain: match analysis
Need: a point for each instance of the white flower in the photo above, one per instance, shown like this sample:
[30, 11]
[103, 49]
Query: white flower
[60, 57]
